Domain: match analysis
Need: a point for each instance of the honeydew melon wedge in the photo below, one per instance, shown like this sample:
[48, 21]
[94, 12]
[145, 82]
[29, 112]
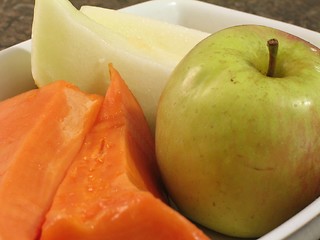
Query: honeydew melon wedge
[161, 42]
[77, 47]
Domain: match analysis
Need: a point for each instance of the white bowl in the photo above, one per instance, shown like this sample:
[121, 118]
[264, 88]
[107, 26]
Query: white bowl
[15, 77]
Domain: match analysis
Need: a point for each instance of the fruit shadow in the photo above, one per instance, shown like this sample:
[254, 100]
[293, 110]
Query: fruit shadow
[210, 233]
[15, 72]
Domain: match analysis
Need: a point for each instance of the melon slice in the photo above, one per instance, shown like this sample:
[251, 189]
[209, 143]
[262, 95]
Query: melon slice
[67, 44]
[41, 131]
[112, 190]
[160, 42]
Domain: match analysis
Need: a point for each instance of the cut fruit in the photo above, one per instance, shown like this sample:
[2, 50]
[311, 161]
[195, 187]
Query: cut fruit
[112, 190]
[161, 42]
[66, 44]
[41, 131]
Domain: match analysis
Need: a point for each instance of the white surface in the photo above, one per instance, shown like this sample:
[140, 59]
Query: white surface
[15, 77]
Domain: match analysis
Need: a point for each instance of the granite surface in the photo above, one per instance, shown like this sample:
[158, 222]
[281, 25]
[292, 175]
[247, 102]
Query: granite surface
[16, 15]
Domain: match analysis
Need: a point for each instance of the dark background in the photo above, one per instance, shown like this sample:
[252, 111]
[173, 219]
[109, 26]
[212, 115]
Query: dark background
[16, 15]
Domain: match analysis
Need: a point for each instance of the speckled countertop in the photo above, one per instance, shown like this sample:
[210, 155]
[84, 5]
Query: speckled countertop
[16, 15]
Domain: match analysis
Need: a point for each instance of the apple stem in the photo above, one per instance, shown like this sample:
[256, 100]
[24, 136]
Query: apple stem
[273, 45]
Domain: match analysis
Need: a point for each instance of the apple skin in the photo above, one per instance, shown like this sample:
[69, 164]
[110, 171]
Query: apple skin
[239, 152]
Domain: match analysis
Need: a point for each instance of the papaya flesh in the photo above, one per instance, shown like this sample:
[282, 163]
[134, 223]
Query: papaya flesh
[41, 131]
[112, 190]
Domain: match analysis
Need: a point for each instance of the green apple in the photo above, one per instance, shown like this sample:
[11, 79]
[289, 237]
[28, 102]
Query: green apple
[238, 130]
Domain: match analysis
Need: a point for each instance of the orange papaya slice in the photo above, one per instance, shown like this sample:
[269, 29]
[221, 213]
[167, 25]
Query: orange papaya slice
[113, 191]
[41, 131]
